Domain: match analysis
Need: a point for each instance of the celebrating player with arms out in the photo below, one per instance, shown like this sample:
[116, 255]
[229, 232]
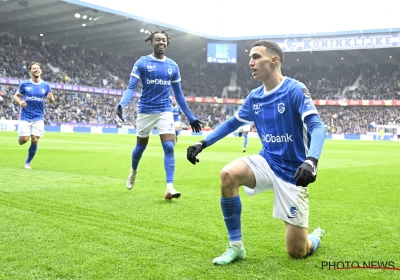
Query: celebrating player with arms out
[30, 96]
[157, 74]
[292, 135]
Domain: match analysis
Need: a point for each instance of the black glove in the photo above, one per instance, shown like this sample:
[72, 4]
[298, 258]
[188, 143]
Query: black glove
[307, 172]
[194, 150]
[119, 112]
[196, 125]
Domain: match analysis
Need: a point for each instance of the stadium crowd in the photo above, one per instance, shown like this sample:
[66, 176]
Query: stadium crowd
[72, 65]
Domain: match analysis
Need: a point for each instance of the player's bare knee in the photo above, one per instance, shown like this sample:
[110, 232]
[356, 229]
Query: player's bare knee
[22, 140]
[226, 172]
[34, 139]
[227, 175]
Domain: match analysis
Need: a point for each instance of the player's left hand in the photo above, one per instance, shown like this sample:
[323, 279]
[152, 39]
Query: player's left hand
[119, 112]
[307, 172]
[196, 125]
[194, 150]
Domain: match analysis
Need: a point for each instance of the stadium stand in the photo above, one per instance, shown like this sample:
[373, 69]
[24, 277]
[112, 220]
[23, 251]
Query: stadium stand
[77, 66]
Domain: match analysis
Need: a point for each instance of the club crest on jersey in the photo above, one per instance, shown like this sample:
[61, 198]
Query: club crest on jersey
[281, 108]
[170, 71]
[43, 90]
[151, 68]
[306, 92]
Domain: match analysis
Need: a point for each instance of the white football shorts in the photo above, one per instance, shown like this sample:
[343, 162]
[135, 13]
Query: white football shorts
[35, 128]
[240, 129]
[290, 201]
[246, 128]
[163, 122]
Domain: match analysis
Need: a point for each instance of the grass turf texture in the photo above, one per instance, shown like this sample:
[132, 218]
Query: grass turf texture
[71, 217]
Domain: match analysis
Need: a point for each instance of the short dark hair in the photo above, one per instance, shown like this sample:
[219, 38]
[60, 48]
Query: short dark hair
[271, 46]
[32, 63]
[164, 32]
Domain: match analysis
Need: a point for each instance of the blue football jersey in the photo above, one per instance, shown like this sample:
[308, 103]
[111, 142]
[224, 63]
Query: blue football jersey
[156, 76]
[33, 94]
[176, 111]
[278, 115]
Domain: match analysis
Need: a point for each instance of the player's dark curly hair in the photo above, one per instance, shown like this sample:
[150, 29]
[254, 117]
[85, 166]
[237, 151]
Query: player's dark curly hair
[271, 46]
[150, 37]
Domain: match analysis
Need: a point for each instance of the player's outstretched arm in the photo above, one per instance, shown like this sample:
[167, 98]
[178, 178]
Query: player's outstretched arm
[129, 92]
[180, 98]
[126, 97]
[220, 132]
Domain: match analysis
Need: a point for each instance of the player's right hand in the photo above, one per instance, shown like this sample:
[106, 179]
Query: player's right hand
[196, 125]
[119, 112]
[307, 172]
[194, 150]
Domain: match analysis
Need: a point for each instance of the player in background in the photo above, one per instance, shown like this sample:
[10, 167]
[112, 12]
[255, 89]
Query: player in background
[246, 129]
[176, 111]
[382, 134]
[398, 133]
[30, 96]
[292, 136]
[157, 74]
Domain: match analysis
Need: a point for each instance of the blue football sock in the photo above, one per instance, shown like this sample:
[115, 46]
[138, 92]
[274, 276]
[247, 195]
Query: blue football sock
[315, 240]
[245, 140]
[31, 152]
[232, 209]
[169, 160]
[137, 155]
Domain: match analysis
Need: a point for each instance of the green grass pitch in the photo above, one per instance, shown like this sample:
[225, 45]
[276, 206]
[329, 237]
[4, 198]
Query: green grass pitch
[71, 217]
